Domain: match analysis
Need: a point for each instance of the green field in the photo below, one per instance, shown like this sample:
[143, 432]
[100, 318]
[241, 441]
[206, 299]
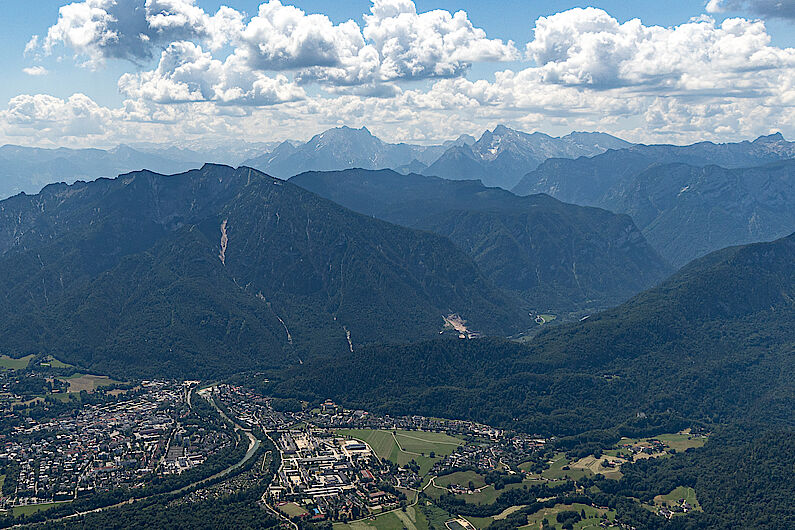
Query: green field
[556, 471]
[291, 509]
[486, 495]
[592, 520]
[678, 441]
[16, 511]
[15, 364]
[590, 465]
[462, 478]
[418, 517]
[87, 382]
[682, 492]
[52, 362]
[404, 446]
[479, 522]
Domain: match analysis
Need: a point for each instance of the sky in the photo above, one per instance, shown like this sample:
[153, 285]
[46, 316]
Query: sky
[96, 73]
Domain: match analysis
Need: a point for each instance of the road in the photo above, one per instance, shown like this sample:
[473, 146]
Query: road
[253, 446]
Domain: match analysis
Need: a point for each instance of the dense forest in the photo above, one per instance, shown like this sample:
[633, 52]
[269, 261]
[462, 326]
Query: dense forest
[555, 256]
[713, 343]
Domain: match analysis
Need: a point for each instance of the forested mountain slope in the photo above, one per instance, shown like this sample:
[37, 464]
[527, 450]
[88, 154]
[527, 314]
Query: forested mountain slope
[217, 270]
[556, 256]
[713, 343]
[688, 200]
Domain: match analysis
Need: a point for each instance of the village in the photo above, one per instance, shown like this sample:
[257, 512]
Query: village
[331, 472]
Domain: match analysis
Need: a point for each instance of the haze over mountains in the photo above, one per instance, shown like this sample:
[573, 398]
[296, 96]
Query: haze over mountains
[499, 158]
[220, 269]
[687, 200]
[328, 276]
[340, 148]
[556, 256]
[29, 169]
[502, 156]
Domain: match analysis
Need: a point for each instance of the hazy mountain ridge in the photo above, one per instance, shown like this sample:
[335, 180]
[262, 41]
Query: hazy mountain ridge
[502, 156]
[341, 148]
[131, 274]
[29, 169]
[557, 256]
[683, 198]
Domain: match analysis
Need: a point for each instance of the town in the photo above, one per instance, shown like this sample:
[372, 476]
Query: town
[332, 464]
[101, 447]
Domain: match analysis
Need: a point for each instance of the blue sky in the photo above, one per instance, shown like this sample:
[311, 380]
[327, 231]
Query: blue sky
[601, 80]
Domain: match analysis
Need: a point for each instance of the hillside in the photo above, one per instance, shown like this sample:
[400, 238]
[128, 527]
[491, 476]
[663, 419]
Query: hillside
[689, 200]
[687, 211]
[556, 256]
[217, 270]
[713, 343]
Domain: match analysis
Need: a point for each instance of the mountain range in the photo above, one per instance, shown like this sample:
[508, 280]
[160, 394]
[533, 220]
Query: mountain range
[687, 200]
[502, 156]
[29, 169]
[498, 158]
[556, 256]
[341, 148]
[220, 269]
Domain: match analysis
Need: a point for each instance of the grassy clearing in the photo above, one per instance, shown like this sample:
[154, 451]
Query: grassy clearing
[416, 445]
[679, 441]
[479, 522]
[592, 466]
[593, 516]
[425, 442]
[462, 478]
[486, 495]
[16, 511]
[508, 511]
[87, 382]
[672, 499]
[52, 362]
[291, 509]
[556, 471]
[15, 364]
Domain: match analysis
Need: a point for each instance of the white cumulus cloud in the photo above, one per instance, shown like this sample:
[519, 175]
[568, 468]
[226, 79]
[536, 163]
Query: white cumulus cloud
[432, 44]
[589, 48]
[225, 74]
[186, 73]
[133, 29]
[36, 71]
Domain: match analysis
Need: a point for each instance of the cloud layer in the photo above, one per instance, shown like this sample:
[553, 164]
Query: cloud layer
[290, 73]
